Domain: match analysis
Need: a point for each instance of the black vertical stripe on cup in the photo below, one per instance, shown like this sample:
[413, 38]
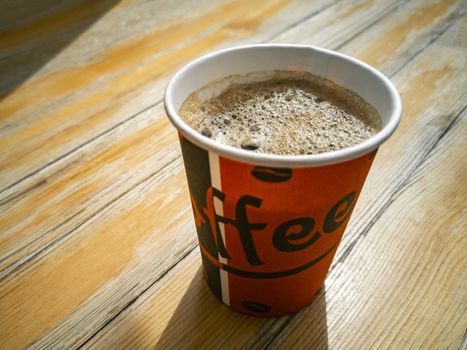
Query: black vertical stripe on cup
[198, 174]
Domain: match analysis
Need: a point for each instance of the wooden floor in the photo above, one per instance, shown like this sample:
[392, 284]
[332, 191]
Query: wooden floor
[97, 241]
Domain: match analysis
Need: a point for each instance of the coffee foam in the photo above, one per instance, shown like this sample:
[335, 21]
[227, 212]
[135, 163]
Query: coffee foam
[280, 112]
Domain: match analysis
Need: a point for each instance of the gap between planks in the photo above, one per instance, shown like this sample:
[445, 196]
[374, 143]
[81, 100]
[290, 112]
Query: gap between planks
[57, 241]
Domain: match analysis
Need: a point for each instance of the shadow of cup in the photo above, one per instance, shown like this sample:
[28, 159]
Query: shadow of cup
[200, 321]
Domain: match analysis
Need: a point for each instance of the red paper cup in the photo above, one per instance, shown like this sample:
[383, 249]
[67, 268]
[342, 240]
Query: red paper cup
[269, 225]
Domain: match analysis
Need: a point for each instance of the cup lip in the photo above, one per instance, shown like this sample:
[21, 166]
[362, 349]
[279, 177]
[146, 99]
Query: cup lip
[274, 160]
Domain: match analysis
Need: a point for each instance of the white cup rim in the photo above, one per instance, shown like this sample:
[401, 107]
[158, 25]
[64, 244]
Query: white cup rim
[273, 160]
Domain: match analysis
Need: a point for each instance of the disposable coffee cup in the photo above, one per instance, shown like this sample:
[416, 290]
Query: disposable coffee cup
[269, 225]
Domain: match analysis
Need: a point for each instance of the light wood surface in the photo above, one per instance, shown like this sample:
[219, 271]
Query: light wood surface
[97, 241]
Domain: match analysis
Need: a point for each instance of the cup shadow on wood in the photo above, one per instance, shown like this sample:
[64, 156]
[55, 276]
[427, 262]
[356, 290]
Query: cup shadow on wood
[33, 32]
[202, 321]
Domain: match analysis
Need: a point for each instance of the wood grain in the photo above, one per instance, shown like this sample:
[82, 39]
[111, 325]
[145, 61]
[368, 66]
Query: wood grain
[408, 30]
[359, 294]
[291, 333]
[29, 228]
[58, 194]
[74, 192]
[44, 183]
[97, 259]
[337, 24]
[71, 105]
[97, 242]
[53, 185]
[181, 307]
[398, 290]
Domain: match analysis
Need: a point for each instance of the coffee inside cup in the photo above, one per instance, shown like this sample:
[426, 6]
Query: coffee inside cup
[280, 112]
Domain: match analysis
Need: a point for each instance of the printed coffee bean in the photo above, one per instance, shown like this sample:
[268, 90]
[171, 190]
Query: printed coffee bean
[256, 307]
[271, 174]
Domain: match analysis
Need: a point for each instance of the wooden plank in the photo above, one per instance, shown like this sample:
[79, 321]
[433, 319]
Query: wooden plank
[74, 191]
[107, 262]
[338, 24]
[28, 227]
[93, 318]
[96, 222]
[73, 103]
[402, 36]
[421, 128]
[179, 312]
[408, 26]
